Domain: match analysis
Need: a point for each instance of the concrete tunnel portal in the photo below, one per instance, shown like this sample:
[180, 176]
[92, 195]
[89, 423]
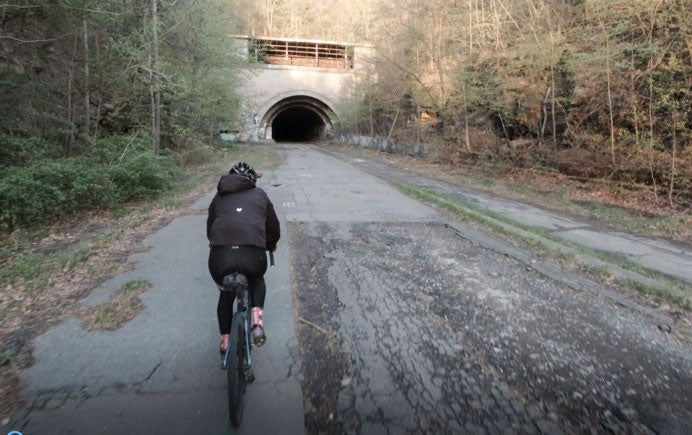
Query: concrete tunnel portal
[298, 119]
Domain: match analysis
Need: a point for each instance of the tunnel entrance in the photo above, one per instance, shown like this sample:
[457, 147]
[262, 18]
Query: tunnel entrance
[297, 124]
[298, 118]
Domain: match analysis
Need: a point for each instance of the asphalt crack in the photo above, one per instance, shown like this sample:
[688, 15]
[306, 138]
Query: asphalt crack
[55, 399]
[437, 334]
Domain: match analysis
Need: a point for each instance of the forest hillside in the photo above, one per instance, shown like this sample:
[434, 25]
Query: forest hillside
[103, 100]
[593, 89]
[596, 89]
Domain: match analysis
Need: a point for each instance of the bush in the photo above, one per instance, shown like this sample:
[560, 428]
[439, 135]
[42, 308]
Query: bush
[111, 150]
[36, 193]
[135, 171]
[197, 156]
[39, 192]
[143, 175]
[17, 150]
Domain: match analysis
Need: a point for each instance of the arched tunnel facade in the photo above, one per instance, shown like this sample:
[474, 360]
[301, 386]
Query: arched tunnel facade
[298, 118]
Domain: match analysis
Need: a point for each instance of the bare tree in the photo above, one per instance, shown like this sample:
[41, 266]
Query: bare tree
[87, 104]
[155, 86]
[608, 84]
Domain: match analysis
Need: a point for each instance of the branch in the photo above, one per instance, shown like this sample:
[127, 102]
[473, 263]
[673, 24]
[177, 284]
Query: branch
[319, 328]
[95, 11]
[159, 75]
[7, 5]
[513, 21]
[29, 41]
[160, 36]
[414, 76]
[125, 150]
[545, 111]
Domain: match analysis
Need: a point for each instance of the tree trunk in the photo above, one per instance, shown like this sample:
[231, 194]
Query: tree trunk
[633, 96]
[610, 103]
[610, 99]
[466, 114]
[391, 129]
[651, 140]
[545, 111]
[69, 139]
[552, 106]
[372, 127]
[651, 105]
[152, 100]
[672, 160]
[87, 109]
[155, 91]
[97, 121]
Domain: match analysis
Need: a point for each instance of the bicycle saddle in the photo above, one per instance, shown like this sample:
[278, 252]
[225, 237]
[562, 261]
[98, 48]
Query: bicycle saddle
[235, 282]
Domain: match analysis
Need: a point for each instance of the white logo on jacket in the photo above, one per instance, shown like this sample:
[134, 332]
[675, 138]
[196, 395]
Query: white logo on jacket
[239, 209]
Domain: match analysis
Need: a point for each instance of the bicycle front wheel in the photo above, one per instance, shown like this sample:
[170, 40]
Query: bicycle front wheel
[236, 371]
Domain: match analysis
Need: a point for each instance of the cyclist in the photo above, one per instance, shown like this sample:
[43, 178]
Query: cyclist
[241, 226]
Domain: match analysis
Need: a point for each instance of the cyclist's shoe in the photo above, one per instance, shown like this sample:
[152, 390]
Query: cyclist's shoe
[258, 337]
[223, 347]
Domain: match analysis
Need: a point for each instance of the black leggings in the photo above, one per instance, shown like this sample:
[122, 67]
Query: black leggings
[249, 260]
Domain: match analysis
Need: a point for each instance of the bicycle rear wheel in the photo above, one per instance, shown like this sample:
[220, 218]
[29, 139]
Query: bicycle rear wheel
[236, 371]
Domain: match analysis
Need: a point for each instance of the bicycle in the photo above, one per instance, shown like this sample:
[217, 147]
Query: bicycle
[237, 361]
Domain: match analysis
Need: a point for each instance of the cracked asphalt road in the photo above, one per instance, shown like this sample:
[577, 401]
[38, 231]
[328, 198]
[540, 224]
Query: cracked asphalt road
[407, 324]
[436, 334]
[383, 317]
[673, 259]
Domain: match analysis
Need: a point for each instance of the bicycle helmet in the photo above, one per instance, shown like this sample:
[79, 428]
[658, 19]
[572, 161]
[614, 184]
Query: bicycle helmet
[245, 170]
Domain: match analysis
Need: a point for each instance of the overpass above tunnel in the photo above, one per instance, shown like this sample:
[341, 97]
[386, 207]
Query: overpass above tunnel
[293, 89]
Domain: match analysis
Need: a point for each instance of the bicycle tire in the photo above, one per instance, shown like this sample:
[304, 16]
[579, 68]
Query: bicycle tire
[236, 372]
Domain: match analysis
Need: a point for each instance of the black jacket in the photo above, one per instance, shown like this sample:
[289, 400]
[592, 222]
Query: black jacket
[242, 214]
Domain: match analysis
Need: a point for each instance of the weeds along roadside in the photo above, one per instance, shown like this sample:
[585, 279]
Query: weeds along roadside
[29, 254]
[623, 208]
[608, 270]
[46, 269]
[649, 287]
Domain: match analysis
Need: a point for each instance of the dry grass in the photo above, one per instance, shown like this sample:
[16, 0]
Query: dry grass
[32, 308]
[123, 306]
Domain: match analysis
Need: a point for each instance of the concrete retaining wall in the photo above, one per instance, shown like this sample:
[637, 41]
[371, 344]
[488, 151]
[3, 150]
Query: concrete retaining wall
[381, 144]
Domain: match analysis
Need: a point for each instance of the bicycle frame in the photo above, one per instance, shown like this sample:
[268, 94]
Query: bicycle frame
[237, 361]
[242, 310]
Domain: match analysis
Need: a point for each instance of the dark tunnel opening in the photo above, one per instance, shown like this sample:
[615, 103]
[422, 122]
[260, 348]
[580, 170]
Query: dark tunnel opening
[297, 124]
